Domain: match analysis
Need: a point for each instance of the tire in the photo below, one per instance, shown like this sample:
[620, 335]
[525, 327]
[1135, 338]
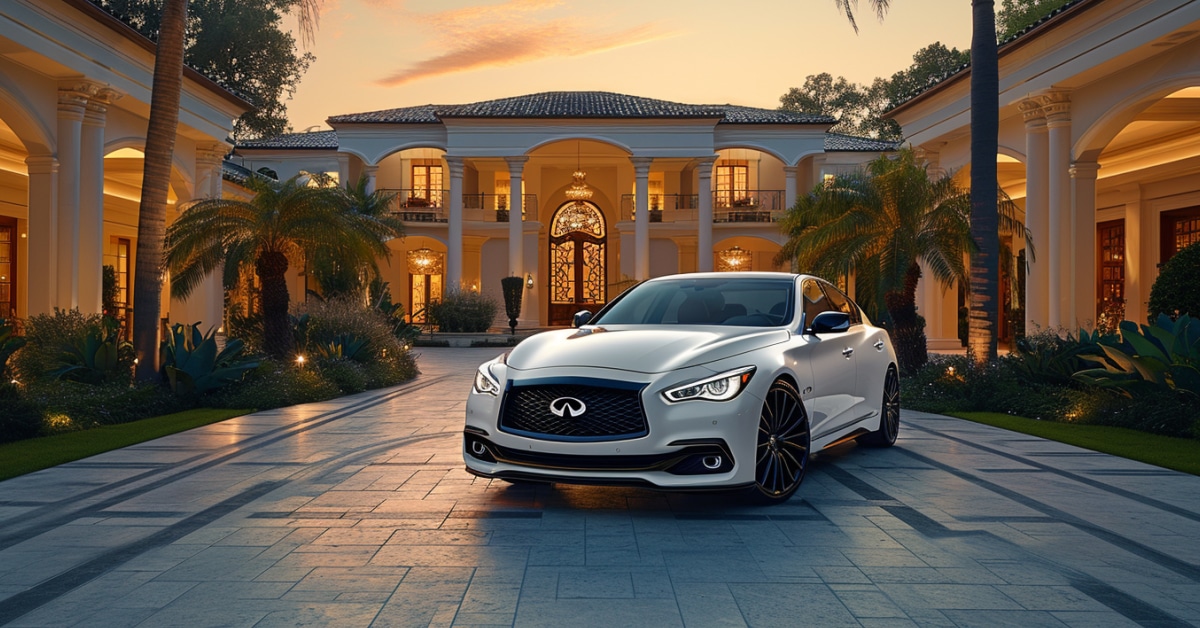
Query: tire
[889, 414]
[783, 445]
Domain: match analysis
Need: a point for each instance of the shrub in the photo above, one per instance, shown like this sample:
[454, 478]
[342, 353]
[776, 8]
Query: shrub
[45, 335]
[274, 385]
[1176, 290]
[956, 383]
[346, 328]
[9, 343]
[349, 376]
[20, 419]
[100, 356]
[71, 405]
[1048, 357]
[1152, 359]
[464, 311]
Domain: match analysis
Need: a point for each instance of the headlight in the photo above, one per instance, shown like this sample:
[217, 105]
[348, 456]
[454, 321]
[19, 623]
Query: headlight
[485, 382]
[721, 387]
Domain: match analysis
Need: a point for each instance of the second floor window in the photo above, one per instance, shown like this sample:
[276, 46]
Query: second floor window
[427, 183]
[732, 183]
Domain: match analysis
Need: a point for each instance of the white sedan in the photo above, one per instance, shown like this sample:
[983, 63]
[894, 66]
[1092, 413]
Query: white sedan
[695, 381]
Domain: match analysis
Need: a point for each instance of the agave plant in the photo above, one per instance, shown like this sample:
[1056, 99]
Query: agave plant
[99, 355]
[345, 347]
[193, 364]
[1165, 354]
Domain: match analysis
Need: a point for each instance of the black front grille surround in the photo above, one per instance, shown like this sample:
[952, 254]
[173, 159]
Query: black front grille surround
[612, 410]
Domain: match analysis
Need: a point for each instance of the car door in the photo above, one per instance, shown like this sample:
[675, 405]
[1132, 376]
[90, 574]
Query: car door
[833, 371]
[857, 348]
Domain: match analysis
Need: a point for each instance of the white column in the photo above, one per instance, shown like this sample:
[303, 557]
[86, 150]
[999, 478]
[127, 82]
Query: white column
[791, 186]
[205, 304]
[704, 240]
[641, 222]
[1083, 177]
[1057, 107]
[370, 171]
[72, 102]
[91, 202]
[454, 237]
[516, 220]
[1037, 218]
[343, 160]
[1137, 258]
[42, 274]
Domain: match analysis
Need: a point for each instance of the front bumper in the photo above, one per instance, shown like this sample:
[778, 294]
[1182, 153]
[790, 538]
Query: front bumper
[696, 444]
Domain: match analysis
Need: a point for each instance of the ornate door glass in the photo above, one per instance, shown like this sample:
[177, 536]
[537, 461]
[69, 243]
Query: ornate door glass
[425, 268]
[578, 242]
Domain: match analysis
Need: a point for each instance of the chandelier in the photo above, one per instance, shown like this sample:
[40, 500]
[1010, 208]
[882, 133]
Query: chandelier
[734, 259]
[424, 261]
[579, 190]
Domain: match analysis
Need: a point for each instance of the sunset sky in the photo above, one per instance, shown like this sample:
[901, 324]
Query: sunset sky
[380, 54]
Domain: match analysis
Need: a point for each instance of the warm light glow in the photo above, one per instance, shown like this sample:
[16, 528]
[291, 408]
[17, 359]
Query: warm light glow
[528, 280]
[300, 360]
[579, 190]
[734, 259]
[950, 371]
[424, 261]
[577, 216]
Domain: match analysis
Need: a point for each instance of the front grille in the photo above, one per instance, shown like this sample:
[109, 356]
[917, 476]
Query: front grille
[612, 412]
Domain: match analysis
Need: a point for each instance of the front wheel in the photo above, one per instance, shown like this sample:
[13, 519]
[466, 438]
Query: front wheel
[782, 451]
[889, 418]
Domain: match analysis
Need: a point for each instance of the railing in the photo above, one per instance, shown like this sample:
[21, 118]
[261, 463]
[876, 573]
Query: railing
[742, 206]
[413, 205]
[494, 207]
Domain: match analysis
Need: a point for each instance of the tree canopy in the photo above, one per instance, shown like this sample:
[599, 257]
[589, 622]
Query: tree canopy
[1015, 15]
[240, 44]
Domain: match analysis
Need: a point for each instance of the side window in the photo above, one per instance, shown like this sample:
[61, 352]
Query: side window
[814, 301]
[842, 303]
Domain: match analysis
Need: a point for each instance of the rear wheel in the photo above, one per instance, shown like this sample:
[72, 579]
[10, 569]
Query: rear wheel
[889, 417]
[782, 451]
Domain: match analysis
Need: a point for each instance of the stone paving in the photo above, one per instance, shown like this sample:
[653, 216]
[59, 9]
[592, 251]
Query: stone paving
[357, 512]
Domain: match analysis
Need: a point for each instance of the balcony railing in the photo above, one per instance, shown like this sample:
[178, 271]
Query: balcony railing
[419, 205]
[494, 207]
[740, 206]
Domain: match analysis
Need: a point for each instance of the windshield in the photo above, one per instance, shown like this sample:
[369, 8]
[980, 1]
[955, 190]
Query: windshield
[711, 301]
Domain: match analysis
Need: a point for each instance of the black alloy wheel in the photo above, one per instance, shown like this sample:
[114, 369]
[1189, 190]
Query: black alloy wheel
[889, 417]
[782, 454]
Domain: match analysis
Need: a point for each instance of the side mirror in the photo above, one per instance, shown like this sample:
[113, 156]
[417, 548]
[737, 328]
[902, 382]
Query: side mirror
[829, 323]
[581, 318]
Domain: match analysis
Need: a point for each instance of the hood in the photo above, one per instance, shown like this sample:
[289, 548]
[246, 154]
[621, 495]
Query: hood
[639, 348]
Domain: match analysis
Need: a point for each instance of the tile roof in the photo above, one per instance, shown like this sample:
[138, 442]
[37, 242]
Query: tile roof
[315, 140]
[840, 142]
[580, 105]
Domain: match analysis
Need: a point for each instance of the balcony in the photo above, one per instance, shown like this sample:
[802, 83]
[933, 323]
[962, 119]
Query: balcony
[494, 207]
[429, 206]
[742, 206]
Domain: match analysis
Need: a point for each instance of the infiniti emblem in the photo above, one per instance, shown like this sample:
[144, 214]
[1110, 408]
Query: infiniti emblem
[569, 407]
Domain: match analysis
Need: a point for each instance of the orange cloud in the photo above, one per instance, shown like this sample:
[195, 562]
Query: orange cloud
[511, 33]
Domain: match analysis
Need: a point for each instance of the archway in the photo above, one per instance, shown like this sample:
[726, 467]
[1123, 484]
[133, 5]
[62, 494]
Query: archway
[578, 260]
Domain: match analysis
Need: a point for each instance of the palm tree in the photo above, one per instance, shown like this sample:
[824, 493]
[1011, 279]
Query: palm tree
[283, 221]
[156, 173]
[985, 127]
[156, 177]
[338, 277]
[881, 224]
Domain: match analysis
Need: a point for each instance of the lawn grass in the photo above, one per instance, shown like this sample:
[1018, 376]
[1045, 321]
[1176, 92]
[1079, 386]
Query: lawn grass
[31, 455]
[1180, 454]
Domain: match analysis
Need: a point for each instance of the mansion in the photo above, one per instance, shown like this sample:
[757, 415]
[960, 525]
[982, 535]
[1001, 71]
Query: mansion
[583, 193]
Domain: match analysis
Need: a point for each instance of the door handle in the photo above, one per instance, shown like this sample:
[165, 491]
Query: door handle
[879, 345]
[847, 352]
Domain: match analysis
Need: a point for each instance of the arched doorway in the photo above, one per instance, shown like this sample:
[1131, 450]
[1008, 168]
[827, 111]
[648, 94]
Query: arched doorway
[578, 261]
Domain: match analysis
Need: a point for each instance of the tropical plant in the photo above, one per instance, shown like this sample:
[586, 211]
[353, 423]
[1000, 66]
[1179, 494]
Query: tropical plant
[1055, 358]
[194, 364]
[166, 91]
[282, 221]
[344, 347]
[986, 215]
[9, 343]
[883, 223]
[100, 356]
[1165, 354]
[156, 179]
[1176, 290]
[335, 275]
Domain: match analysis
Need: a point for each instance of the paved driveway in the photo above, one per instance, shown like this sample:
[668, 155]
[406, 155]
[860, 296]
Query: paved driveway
[358, 512]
